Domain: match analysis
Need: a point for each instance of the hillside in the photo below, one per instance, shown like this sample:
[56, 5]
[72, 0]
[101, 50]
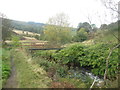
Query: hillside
[27, 26]
[20, 32]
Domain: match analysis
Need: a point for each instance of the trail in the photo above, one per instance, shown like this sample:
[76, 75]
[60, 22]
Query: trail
[12, 80]
[26, 73]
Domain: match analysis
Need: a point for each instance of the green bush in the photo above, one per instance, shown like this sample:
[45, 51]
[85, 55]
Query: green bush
[81, 35]
[47, 62]
[97, 59]
[93, 56]
[15, 41]
[70, 54]
[5, 65]
[5, 71]
[44, 54]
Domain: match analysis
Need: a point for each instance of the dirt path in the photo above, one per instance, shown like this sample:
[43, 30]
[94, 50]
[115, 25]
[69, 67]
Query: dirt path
[25, 73]
[12, 80]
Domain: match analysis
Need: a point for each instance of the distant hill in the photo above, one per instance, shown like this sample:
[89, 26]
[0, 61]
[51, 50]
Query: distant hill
[28, 26]
[35, 23]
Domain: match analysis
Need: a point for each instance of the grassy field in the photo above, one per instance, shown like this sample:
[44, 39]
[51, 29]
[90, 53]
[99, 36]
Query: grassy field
[25, 32]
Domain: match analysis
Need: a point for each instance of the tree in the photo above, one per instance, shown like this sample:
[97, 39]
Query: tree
[57, 30]
[113, 6]
[60, 19]
[82, 35]
[85, 25]
[94, 28]
[103, 27]
[6, 27]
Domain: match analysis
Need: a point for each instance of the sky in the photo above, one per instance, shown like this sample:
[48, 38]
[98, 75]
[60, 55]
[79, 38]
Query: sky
[41, 10]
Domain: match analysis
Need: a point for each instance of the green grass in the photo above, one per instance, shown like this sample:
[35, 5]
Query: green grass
[106, 36]
[76, 82]
[29, 74]
[5, 65]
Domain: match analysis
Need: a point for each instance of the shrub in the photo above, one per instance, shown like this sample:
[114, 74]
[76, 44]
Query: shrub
[15, 41]
[90, 56]
[70, 54]
[5, 65]
[81, 36]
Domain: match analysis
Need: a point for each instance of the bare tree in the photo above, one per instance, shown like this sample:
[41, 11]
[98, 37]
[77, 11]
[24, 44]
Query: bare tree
[107, 61]
[57, 30]
[60, 19]
[113, 6]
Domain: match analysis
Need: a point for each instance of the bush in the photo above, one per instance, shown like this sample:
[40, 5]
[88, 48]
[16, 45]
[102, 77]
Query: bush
[44, 54]
[93, 57]
[5, 65]
[5, 71]
[48, 63]
[81, 36]
[15, 41]
[70, 54]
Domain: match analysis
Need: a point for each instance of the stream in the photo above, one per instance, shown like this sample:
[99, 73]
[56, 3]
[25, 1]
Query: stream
[84, 75]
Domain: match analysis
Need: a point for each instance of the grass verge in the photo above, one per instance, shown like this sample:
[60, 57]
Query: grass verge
[29, 74]
[6, 67]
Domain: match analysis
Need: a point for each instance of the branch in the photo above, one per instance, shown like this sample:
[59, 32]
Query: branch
[108, 4]
[114, 35]
[93, 83]
[105, 74]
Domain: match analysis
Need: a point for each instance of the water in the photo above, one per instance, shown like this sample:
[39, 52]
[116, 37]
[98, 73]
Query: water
[84, 75]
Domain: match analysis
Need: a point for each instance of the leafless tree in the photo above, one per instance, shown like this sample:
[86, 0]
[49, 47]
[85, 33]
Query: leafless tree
[60, 19]
[113, 6]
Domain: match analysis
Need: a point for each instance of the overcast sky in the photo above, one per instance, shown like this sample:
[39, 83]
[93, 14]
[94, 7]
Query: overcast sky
[41, 10]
